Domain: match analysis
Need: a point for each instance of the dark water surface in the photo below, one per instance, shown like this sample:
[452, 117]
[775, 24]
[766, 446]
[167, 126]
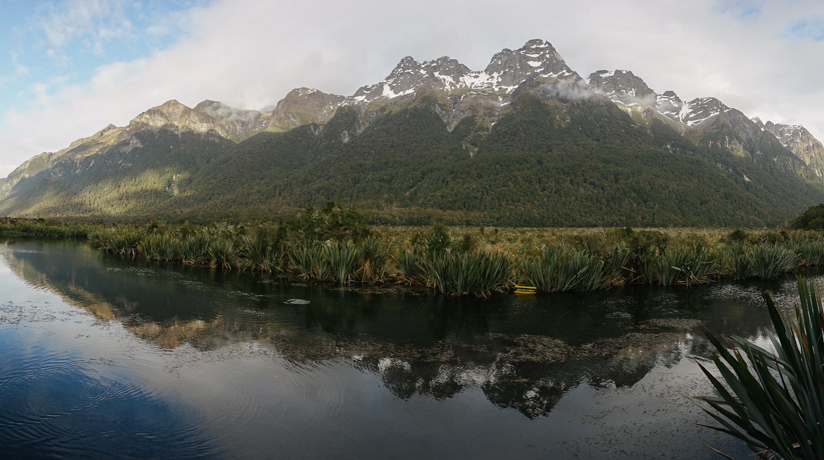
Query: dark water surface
[102, 356]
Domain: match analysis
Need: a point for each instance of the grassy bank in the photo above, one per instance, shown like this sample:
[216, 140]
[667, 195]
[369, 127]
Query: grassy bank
[478, 261]
[333, 245]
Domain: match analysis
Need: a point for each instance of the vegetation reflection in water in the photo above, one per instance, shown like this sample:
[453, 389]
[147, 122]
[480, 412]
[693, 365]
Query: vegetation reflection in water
[523, 353]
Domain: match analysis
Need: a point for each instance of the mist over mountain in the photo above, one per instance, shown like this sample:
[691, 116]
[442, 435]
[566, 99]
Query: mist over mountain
[526, 141]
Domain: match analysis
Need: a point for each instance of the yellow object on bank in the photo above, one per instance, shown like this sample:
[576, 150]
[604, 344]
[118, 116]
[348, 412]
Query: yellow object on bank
[525, 289]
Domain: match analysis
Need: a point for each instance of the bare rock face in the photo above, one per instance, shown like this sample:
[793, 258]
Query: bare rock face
[801, 142]
[237, 124]
[669, 105]
[302, 106]
[622, 85]
[208, 116]
[461, 92]
[409, 75]
[174, 115]
[701, 110]
[505, 72]
[536, 59]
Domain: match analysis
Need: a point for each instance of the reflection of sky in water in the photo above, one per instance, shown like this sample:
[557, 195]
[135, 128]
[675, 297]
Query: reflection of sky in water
[231, 366]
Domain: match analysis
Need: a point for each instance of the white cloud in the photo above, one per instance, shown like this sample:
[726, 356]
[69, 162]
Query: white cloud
[251, 53]
[19, 69]
[92, 22]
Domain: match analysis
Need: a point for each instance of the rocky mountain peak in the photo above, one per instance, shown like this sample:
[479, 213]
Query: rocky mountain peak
[223, 113]
[302, 106]
[229, 122]
[447, 71]
[309, 98]
[170, 113]
[758, 122]
[409, 75]
[798, 140]
[669, 105]
[624, 86]
[407, 65]
[700, 110]
[536, 59]
[232, 122]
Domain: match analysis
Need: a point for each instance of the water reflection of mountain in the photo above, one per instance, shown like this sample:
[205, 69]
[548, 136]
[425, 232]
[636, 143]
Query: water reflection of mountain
[523, 353]
[527, 373]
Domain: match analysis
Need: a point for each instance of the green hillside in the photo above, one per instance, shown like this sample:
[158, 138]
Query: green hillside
[130, 177]
[543, 163]
[578, 163]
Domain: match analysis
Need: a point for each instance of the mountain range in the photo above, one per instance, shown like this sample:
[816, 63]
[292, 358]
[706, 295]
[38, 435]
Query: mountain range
[527, 141]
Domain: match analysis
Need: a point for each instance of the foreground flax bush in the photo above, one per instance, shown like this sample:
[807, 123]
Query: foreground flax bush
[774, 401]
[409, 268]
[552, 270]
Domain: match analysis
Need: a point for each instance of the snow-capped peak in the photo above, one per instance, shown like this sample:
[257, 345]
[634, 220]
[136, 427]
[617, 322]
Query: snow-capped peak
[699, 110]
[623, 87]
[536, 59]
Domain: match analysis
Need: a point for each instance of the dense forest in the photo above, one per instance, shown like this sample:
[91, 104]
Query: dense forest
[561, 164]
[543, 163]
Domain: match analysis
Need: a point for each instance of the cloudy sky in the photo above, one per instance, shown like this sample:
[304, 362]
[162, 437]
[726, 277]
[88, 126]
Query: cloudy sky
[70, 68]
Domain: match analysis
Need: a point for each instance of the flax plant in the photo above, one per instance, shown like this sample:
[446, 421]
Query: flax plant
[770, 261]
[341, 260]
[408, 264]
[310, 261]
[374, 260]
[774, 401]
[222, 253]
[476, 273]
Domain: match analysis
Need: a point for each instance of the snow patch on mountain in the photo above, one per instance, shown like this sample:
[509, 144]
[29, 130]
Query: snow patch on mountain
[505, 72]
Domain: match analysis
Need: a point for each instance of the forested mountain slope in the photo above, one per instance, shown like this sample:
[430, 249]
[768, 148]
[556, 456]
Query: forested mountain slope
[573, 163]
[527, 141]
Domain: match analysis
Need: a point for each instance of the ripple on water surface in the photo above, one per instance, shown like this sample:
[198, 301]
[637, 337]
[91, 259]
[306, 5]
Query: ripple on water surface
[57, 402]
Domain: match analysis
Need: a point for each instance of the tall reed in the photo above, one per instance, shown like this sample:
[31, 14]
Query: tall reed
[811, 252]
[737, 261]
[560, 268]
[261, 253]
[195, 248]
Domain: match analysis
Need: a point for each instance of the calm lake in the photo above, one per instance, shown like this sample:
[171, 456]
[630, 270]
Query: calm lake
[103, 356]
